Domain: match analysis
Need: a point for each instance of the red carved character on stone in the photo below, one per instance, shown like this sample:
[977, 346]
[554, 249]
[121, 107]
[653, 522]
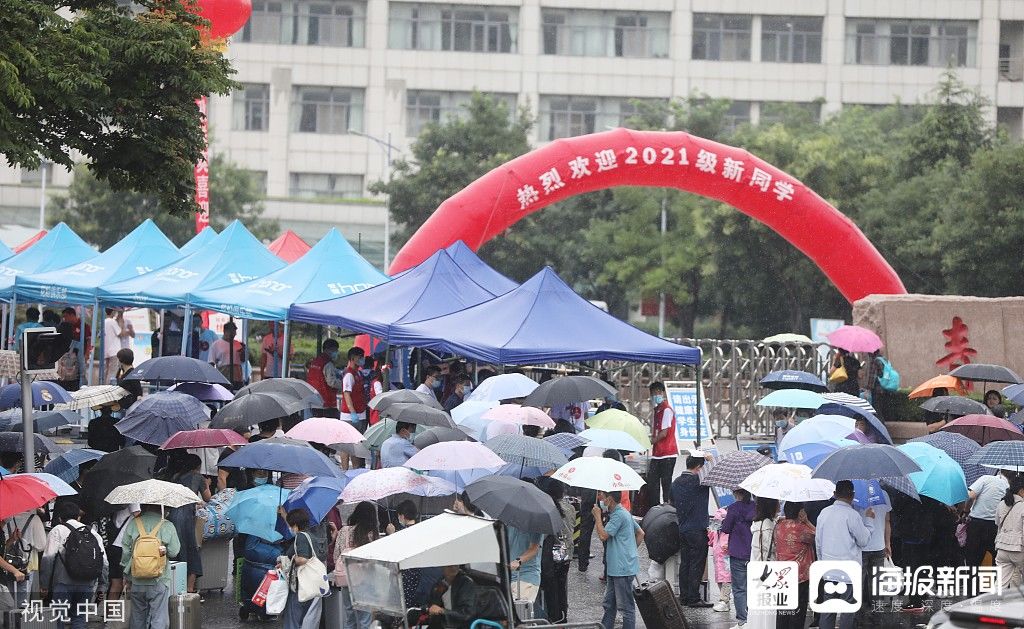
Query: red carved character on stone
[958, 347]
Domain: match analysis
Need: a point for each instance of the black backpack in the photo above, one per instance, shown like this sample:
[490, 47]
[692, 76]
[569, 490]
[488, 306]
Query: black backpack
[83, 556]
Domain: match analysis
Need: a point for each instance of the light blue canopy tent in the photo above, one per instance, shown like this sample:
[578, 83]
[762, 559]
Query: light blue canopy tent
[144, 249]
[541, 321]
[330, 269]
[479, 270]
[197, 242]
[5, 252]
[58, 249]
[232, 257]
[435, 287]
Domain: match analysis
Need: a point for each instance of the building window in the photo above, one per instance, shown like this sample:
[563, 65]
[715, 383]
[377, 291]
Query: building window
[34, 176]
[567, 116]
[737, 115]
[324, 185]
[934, 43]
[604, 33]
[718, 37]
[251, 107]
[307, 22]
[327, 110]
[452, 27]
[791, 39]
[424, 107]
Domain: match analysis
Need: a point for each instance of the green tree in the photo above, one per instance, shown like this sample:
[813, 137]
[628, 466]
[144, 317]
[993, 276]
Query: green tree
[102, 216]
[113, 88]
[448, 156]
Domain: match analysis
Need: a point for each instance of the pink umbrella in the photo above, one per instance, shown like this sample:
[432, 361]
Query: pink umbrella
[984, 429]
[522, 415]
[859, 437]
[499, 427]
[854, 338]
[455, 455]
[379, 484]
[325, 430]
[203, 438]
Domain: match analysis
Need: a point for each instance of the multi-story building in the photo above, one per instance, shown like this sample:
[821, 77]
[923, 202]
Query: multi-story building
[320, 76]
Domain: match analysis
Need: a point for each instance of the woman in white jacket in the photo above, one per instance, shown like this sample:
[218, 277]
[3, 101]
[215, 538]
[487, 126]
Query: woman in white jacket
[1010, 533]
[762, 548]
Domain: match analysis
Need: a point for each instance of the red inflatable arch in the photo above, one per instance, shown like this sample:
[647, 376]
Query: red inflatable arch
[622, 157]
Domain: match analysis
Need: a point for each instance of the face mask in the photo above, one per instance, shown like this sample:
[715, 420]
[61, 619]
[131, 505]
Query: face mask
[333, 355]
[260, 480]
[657, 399]
[436, 385]
[360, 362]
[466, 390]
[364, 372]
[604, 507]
[780, 423]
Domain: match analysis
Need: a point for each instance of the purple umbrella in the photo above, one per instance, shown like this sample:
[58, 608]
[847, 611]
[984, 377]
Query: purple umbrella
[204, 391]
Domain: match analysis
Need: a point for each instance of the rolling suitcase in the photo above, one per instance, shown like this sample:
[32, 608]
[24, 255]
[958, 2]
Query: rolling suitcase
[215, 564]
[184, 611]
[659, 606]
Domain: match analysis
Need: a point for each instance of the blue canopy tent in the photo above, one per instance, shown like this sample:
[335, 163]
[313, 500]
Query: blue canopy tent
[435, 287]
[58, 249]
[329, 269]
[5, 252]
[232, 257]
[198, 241]
[541, 321]
[146, 247]
[479, 270]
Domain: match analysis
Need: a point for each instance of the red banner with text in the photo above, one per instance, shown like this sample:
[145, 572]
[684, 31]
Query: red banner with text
[202, 171]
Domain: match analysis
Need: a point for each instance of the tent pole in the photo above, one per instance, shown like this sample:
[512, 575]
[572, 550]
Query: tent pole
[3, 324]
[386, 381]
[104, 379]
[163, 333]
[697, 390]
[10, 321]
[185, 326]
[81, 342]
[245, 344]
[284, 348]
[92, 339]
[319, 339]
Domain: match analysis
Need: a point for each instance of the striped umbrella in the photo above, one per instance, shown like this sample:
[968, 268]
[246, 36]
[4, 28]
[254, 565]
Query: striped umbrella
[734, 468]
[1004, 455]
[850, 400]
[527, 451]
[566, 441]
[959, 448]
[88, 397]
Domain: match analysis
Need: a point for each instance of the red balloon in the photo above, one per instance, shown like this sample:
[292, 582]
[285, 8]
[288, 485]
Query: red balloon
[226, 17]
[672, 159]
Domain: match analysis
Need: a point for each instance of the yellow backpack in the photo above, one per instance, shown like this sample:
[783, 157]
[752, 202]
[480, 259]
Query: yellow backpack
[147, 561]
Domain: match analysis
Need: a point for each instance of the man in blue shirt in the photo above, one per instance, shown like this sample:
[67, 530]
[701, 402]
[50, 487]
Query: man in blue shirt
[841, 535]
[398, 448]
[31, 321]
[524, 548]
[622, 536]
[690, 499]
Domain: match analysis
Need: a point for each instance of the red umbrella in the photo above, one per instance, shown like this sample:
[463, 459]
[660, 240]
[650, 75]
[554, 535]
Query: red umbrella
[203, 438]
[984, 429]
[21, 494]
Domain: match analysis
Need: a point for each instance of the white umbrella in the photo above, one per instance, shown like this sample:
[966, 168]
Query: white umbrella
[506, 386]
[153, 492]
[467, 417]
[789, 482]
[611, 439]
[88, 397]
[599, 473]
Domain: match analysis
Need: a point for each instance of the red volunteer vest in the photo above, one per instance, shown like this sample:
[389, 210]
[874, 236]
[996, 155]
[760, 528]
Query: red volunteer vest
[358, 393]
[315, 378]
[667, 446]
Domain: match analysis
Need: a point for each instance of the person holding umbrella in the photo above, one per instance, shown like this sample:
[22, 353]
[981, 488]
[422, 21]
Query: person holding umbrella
[622, 536]
[841, 535]
[1010, 537]
[739, 516]
[845, 374]
[149, 594]
[983, 499]
[184, 470]
[690, 500]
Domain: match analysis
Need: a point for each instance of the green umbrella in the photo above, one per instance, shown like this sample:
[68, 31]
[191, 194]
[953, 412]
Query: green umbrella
[614, 419]
[376, 435]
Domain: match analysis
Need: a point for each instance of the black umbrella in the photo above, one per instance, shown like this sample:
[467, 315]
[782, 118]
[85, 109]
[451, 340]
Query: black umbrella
[954, 405]
[15, 442]
[982, 372]
[383, 401]
[46, 420]
[661, 532]
[126, 466]
[421, 414]
[516, 503]
[252, 408]
[299, 389]
[177, 369]
[793, 379]
[568, 390]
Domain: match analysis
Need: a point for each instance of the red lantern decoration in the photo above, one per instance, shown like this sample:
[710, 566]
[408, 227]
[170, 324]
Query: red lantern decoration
[226, 17]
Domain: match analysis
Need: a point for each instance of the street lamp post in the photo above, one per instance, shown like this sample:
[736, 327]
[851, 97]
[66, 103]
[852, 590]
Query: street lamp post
[42, 194]
[386, 146]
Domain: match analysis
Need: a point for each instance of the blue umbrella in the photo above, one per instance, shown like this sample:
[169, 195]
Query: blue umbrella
[875, 425]
[810, 454]
[58, 485]
[156, 418]
[316, 495]
[793, 398]
[281, 454]
[43, 420]
[865, 462]
[793, 379]
[44, 393]
[940, 477]
[1004, 455]
[959, 448]
[867, 493]
[66, 466]
[254, 511]
[1014, 393]
[177, 369]
[817, 429]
